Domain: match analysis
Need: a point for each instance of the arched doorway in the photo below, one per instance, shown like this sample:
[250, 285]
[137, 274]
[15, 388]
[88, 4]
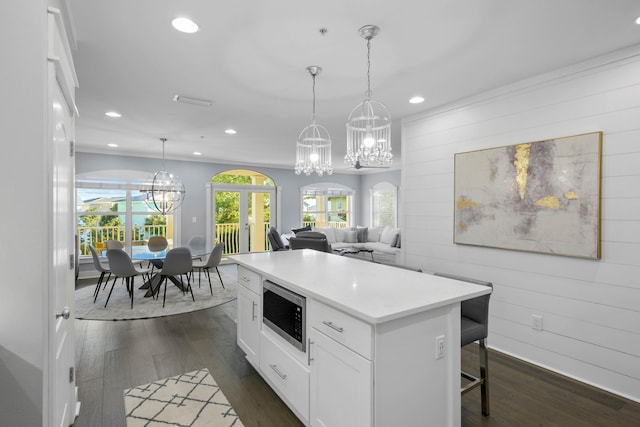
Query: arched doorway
[240, 207]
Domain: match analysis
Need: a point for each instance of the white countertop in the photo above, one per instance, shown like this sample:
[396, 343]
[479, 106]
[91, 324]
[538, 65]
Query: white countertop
[375, 293]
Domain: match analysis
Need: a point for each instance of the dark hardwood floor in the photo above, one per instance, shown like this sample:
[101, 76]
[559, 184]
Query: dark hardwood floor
[112, 356]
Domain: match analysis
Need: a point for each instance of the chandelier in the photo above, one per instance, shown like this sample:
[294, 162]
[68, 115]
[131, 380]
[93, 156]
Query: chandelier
[369, 125]
[167, 191]
[313, 148]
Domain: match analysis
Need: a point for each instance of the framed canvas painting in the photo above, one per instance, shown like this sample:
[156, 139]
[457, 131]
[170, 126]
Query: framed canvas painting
[541, 196]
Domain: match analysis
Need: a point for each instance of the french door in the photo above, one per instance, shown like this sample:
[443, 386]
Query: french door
[240, 216]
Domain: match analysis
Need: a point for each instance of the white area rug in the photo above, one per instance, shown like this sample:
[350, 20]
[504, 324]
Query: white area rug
[119, 307]
[190, 400]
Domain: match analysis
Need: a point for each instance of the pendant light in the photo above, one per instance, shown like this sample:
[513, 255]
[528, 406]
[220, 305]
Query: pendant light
[167, 191]
[369, 125]
[313, 148]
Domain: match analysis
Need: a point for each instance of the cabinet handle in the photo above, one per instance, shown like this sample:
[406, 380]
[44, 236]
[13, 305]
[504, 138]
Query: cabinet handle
[332, 326]
[280, 374]
[244, 279]
[253, 310]
[309, 358]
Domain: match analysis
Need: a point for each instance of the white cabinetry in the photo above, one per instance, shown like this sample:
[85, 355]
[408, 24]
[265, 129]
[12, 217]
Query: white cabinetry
[249, 313]
[341, 384]
[288, 377]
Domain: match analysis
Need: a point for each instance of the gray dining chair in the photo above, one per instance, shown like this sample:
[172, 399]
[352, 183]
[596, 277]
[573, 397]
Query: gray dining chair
[212, 262]
[157, 243]
[474, 326]
[113, 244]
[178, 262]
[102, 268]
[122, 266]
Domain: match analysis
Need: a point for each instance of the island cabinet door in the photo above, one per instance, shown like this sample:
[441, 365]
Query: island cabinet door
[249, 311]
[341, 384]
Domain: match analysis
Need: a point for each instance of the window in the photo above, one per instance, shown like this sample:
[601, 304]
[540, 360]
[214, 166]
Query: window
[326, 206]
[109, 208]
[384, 203]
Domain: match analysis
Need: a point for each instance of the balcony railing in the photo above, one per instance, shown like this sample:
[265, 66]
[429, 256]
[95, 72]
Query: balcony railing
[227, 233]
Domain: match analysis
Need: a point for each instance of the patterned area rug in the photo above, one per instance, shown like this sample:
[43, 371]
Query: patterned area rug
[190, 400]
[119, 307]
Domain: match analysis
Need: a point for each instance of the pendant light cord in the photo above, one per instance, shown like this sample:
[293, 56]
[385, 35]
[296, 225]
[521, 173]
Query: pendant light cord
[368, 69]
[313, 76]
[163, 141]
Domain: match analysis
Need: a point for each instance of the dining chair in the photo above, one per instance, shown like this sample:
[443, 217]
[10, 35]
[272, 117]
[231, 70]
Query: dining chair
[121, 266]
[113, 244]
[474, 325]
[177, 262]
[212, 262]
[157, 243]
[102, 268]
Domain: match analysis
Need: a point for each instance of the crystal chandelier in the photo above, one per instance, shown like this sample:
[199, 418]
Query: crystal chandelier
[167, 191]
[313, 148]
[369, 125]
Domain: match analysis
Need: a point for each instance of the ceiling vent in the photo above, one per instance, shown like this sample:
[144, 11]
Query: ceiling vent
[192, 101]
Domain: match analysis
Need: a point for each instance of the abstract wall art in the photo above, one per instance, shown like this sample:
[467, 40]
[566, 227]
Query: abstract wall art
[541, 196]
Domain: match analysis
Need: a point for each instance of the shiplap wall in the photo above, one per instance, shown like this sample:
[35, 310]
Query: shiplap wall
[590, 308]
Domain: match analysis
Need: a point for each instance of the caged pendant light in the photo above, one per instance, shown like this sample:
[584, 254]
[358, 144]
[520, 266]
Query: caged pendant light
[369, 125]
[167, 191]
[313, 148]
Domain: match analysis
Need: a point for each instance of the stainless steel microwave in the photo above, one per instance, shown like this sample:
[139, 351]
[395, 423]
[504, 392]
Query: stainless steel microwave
[284, 311]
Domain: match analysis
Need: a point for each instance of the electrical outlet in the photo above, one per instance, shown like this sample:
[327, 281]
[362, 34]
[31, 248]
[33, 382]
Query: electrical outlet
[536, 322]
[440, 347]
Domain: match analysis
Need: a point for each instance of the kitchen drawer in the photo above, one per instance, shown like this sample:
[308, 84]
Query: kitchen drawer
[347, 330]
[250, 280]
[285, 374]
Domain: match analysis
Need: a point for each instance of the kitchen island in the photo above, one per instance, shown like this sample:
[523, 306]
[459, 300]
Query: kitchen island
[382, 344]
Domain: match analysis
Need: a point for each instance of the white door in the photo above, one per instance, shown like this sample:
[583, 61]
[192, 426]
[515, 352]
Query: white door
[62, 342]
[245, 213]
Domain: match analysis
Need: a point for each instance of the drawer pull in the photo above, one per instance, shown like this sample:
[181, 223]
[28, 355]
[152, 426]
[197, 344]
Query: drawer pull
[245, 279]
[332, 326]
[280, 374]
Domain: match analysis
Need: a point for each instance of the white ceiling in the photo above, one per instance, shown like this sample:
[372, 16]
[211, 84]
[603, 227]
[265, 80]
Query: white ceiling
[250, 57]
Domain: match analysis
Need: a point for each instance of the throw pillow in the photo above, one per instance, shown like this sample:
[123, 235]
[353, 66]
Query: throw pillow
[331, 238]
[361, 233]
[373, 234]
[398, 241]
[339, 234]
[388, 235]
[296, 230]
[351, 236]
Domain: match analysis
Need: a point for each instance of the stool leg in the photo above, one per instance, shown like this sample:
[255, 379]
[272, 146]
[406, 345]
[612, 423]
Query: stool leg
[483, 354]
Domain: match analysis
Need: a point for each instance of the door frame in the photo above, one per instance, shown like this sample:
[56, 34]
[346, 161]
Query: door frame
[243, 189]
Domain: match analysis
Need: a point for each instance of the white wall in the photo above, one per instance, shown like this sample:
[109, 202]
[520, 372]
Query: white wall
[590, 308]
[24, 257]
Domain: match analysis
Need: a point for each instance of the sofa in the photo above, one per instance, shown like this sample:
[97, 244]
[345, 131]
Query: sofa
[383, 241]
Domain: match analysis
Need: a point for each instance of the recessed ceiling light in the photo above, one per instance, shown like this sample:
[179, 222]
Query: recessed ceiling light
[184, 25]
[113, 114]
[231, 131]
[416, 100]
[638, 20]
[112, 145]
[197, 153]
